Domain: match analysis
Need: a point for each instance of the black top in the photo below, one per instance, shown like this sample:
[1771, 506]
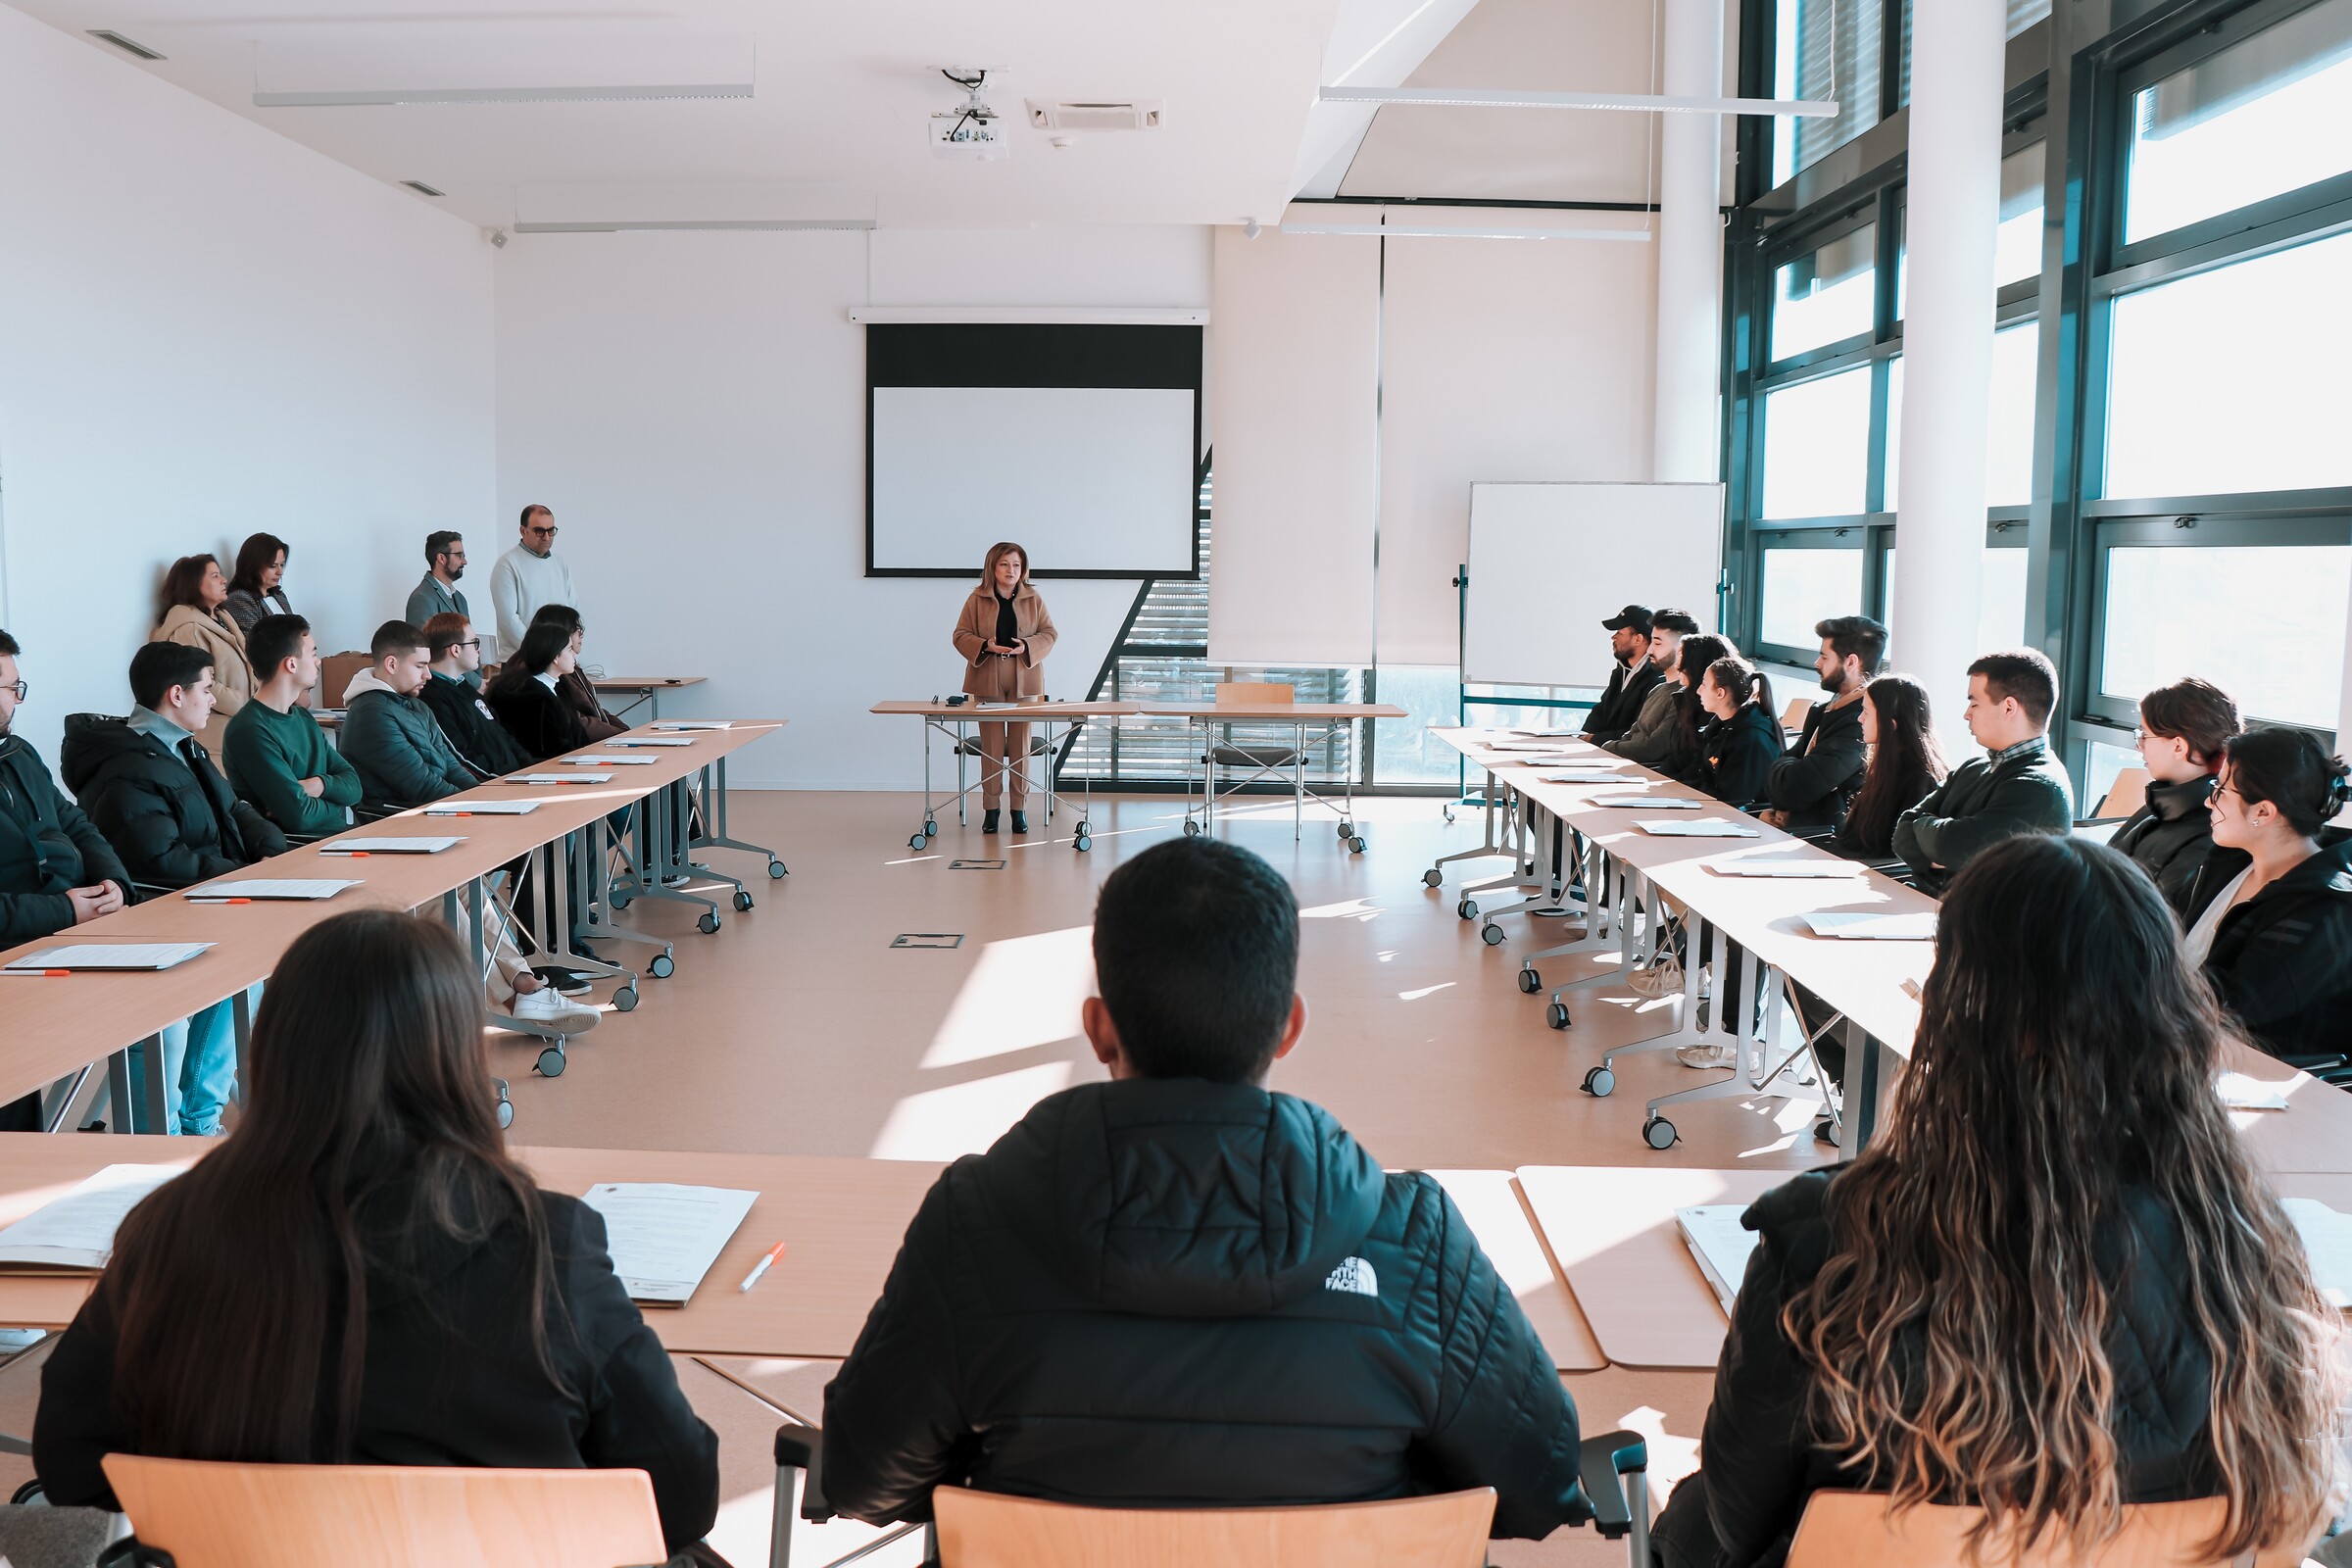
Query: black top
[1172, 1292]
[1009, 629]
[167, 810]
[1816, 781]
[471, 727]
[1759, 1461]
[1736, 755]
[540, 723]
[1983, 802]
[47, 849]
[2281, 960]
[1848, 840]
[451, 1377]
[2170, 836]
[1621, 701]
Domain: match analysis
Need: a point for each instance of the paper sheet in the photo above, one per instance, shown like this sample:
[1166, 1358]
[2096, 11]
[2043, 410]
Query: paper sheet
[1789, 868]
[1710, 827]
[607, 761]
[1585, 776]
[139, 956]
[2241, 1092]
[76, 1230]
[663, 1236]
[482, 809]
[303, 890]
[417, 845]
[1651, 803]
[560, 778]
[651, 740]
[1720, 1244]
[2326, 1238]
[1875, 927]
[693, 723]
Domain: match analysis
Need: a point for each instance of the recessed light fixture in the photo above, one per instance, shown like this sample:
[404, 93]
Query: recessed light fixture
[421, 189]
[129, 46]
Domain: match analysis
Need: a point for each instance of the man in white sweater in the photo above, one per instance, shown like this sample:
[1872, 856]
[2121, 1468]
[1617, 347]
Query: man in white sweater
[527, 577]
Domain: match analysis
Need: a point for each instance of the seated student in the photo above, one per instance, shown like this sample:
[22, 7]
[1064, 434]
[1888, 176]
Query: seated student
[194, 597]
[1630, 682]
[1939, 1321]
[1654, 738]
[1737, 751]
[274, 752]
[1691, 661]
[390, 738]
[454, 694]
[1905, 764]
[2016, 787]
[361, 1275]
[257, 586]
[2182, 729]
[524, 696]
[1812, 784]
[2270, 912]
[576, 689]
[56, 868]
[1177, 1289]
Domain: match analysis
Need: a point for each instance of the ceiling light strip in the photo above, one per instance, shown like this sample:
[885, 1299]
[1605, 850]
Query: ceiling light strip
[1639, 236]
[1641, 102]
[399, 96]
[617, 226]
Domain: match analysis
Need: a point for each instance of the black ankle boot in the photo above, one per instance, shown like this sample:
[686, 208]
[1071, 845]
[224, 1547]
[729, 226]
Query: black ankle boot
[1020, 821]
[988, 823]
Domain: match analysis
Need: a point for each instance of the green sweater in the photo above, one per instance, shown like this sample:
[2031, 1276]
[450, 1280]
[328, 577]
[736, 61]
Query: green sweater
[268, 754]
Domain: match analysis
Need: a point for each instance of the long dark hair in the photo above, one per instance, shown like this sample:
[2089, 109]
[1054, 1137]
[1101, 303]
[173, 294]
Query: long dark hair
[2292, 771]
[1904, 752]
[1742, 681]
[542, 645]
[183, 584]
[1692, 658]
[254, 557]
[365, 1086]
[1956, 1338]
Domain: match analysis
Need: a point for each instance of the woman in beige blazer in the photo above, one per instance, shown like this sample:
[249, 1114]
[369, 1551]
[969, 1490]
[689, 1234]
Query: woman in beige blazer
[1004, 635]
[194, 591]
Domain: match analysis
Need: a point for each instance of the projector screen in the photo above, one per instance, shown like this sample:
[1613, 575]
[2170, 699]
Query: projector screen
[1079, 441]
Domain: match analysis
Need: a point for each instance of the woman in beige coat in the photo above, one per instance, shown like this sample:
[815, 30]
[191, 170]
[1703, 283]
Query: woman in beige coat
[1004, 635]
[194, 591]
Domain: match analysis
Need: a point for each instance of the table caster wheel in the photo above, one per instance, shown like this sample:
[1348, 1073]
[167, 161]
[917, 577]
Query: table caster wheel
[743, 900]
[1467, 909]
[1191, 828]
[662, 966]
[506, 1106]
[1433, 878]
[930, 828]
[1085, 842]
[1658, 1133]
[1347, 830]
[1530, 981]
[620, 902]
[776, 868]
[1601, 1083]
[550, 1062]
[708, 922]
[916, 841]
[1085, 829]
[1356, 844]
[625, 999]
[1490, 934]
[1557, 1015]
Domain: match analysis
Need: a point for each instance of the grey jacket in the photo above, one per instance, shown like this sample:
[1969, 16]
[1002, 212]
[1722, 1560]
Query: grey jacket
[396, 747]
[1657, 739]
[429, 599]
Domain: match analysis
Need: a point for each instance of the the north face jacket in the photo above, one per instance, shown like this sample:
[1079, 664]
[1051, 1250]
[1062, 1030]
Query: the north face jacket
[1172, 1292]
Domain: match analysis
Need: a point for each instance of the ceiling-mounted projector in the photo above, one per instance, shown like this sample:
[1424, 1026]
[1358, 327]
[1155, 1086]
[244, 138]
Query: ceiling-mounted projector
[971, 131]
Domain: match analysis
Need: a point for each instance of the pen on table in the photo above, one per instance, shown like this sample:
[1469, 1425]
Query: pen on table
[762, 1267]
[40, 974]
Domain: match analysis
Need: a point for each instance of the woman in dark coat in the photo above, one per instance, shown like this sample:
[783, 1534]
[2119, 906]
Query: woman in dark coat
[526, 696]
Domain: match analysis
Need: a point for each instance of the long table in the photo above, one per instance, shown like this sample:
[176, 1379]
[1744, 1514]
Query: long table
[1308, 723]
[955, 721]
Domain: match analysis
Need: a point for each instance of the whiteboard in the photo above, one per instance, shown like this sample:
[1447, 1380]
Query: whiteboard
[1089, 478]
[1549, 563]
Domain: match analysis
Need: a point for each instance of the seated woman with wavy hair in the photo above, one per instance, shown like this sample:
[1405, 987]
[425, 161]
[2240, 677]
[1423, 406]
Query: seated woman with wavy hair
[2055, 1284]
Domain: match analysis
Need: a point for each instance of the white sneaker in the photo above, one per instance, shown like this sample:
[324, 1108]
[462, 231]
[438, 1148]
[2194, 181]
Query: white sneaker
[1708, 1056]
[549, 1006]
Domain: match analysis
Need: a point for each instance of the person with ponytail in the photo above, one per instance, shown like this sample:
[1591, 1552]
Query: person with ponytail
[1905, 764]
[1735, 751]
[2269, 914]
[1691, 661]
[2054, 1285]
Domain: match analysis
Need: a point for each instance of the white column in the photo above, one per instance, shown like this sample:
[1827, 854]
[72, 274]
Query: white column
[1685, 446]
[1954, 198]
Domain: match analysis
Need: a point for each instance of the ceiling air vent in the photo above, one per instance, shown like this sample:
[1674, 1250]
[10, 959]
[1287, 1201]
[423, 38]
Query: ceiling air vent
[421, 189]
[129, 46]
[1075, 113]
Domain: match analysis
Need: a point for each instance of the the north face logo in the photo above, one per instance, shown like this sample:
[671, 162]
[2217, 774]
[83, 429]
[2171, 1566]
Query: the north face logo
[1353, 1276]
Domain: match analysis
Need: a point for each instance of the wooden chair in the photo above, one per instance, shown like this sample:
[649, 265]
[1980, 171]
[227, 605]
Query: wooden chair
[209, 1515]
[1854, 1530]
[988, 1530]
[1793, 716]
[2127, 794]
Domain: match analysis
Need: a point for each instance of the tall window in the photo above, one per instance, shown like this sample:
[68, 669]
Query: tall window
[1823, 49]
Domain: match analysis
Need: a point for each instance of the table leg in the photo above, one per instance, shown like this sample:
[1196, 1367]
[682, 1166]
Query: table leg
[155, 1112]
[61, 1096]
[240, 1015]
[117, 1091]
[1862, 1092]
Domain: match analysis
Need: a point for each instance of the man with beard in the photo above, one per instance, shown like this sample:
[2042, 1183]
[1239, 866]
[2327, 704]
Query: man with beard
[1631, 682]
[1811, 787]
[438, 594]
[1655, 739]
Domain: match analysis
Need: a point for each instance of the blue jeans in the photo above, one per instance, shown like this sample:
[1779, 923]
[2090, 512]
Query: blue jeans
[199, 1070]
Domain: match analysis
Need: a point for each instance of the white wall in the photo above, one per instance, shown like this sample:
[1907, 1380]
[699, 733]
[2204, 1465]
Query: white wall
[205, 330]
[693, 407]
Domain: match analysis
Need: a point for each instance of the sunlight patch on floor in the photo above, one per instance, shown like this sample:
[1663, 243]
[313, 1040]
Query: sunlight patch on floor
[966, 1118]
[1023, 992]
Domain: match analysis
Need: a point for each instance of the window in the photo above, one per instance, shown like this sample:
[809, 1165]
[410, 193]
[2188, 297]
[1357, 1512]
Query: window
[1803, 586]
[1823, 49]
[2001, 611]
[2264, 623]
[1817, 446]
[1407, 753]
[1826, 295]
[2256, 120]
[2009, 431]
[2234, 379]
[2015, 243]
[2098, 776]
[2022, 13]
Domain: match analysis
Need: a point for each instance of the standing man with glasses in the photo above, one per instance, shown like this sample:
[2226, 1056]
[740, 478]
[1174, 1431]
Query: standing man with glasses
[439, 594]
[527, 577]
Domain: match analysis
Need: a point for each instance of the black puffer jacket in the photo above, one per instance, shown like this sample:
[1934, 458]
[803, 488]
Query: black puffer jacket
[47, 849]
[173, 825]
[1171, 1293]
[1819, 777]
[2170, 837]
[1760, 1464]
[2281, 960]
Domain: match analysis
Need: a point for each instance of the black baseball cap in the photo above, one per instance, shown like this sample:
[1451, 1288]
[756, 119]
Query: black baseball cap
[1635, 615]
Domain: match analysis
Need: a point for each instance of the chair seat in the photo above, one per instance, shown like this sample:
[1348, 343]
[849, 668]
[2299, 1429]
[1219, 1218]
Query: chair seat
[1254, 756]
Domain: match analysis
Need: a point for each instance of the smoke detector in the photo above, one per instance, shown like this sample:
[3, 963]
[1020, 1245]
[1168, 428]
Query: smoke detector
[1096, 114]
[972, 131]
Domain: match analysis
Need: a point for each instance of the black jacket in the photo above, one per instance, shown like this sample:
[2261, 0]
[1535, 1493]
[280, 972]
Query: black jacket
[172, 823]
[2170, 837]
[1759, 1463]
[471, 727]
[395, 744]
[1621, 701]
[1979, 806]
[537, 719]
[450, 1377]
[1849, 841]
[1816, 781]
[1172, 1292]
[47, 849]
[1736, 755]
[2281, 960]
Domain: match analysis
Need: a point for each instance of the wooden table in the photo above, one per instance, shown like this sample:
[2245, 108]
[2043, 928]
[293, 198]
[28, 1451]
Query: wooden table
[1327, 718]
[648, 689]
[1497, 1212]
[955, 720]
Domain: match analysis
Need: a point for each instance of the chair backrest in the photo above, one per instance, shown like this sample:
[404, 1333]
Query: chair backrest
[1246, 692]
[1793, 716]
[210, 1515]
[1854, 1530]
[334, 676]
[988, 1530]
[2127, 794]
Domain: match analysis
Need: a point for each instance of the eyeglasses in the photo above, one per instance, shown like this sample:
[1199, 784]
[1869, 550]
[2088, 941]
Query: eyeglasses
[546, 531]
[471, 642]
[18, 690]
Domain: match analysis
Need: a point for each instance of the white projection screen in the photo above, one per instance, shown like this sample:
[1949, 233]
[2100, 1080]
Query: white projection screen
[1079, 441]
